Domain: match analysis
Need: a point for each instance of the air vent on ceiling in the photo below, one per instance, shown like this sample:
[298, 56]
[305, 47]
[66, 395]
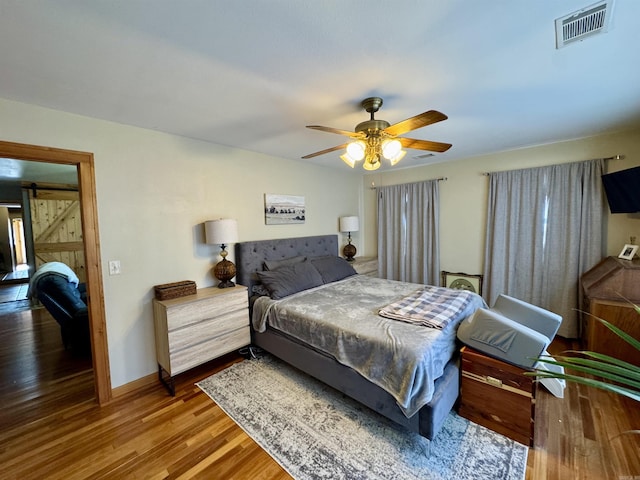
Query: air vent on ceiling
[583, 23]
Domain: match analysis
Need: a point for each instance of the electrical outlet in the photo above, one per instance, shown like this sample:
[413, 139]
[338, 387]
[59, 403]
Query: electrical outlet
[114, 267]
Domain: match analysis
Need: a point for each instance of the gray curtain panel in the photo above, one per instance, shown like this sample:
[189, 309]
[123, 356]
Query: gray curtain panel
[408, 232]
[544, 229]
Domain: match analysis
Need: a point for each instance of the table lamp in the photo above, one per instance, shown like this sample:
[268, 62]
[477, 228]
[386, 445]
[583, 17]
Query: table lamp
[222, 232]
[349, 224]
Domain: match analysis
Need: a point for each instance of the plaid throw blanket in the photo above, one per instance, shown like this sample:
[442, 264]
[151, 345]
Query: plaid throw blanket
[433, 307]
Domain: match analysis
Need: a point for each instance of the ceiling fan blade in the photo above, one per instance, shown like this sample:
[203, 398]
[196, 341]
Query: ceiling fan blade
[337, 130]
[424, 144]
[422, 120]
[322, 152]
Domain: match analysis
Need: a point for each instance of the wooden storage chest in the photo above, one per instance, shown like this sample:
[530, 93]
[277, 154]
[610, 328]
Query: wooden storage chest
[497, 395]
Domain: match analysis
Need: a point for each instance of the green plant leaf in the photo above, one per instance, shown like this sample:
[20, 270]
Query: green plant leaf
[599, 368]
[598, 373]
[635, 307]
[621, 333]
[589, 382]
[608, 359]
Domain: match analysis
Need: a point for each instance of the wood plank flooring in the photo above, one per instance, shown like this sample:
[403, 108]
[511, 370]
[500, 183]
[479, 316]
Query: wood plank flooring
[51, 427]
[12, 292]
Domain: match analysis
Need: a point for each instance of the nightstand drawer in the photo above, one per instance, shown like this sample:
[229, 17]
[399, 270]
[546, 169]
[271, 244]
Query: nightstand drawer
[206, 329]
[209, 349]
[181, 315]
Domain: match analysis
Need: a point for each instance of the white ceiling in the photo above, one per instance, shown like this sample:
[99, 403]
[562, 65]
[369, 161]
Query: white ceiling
[252, 74]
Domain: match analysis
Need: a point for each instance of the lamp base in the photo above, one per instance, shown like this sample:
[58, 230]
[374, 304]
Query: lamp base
[349, 251]
[225, 271]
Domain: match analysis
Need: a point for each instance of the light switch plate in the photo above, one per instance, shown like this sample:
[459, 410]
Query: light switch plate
[114, 267]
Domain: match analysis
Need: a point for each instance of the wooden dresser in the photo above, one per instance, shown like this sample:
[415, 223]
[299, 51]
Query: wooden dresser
[497, 395]
[602, 287]
[194, 329]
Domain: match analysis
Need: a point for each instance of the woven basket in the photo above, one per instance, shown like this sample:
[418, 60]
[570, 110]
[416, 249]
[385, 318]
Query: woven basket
[175, 290]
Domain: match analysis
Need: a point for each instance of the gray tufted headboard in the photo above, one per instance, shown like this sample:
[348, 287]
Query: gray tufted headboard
[250, 256]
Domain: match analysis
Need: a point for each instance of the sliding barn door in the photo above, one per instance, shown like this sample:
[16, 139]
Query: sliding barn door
[57, 228]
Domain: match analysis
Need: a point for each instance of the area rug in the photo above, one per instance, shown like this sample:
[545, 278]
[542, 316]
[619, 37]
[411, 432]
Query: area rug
[315, 432]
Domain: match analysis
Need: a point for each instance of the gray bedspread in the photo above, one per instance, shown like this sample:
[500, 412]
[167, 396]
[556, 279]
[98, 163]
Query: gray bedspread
[341, 319]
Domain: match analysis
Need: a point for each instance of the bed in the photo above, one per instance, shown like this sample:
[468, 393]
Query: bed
[405, 372]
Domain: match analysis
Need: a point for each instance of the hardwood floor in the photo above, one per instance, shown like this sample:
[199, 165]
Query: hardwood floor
[37, 374]
[13, 291]
[581, 435]
[53, 428]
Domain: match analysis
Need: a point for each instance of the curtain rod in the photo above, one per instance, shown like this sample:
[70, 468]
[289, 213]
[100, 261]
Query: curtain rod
[615, 157]
[441, 179]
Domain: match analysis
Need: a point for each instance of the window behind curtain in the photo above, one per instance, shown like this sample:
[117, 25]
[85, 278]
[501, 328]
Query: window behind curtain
[408, 232]
[544, 229]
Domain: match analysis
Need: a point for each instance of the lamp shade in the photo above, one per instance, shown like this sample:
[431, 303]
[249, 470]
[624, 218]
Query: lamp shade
[349, 224]
[221, 231]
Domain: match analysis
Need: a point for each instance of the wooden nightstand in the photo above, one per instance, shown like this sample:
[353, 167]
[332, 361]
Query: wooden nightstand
[366, 266]
[497, 395]
[194, 329]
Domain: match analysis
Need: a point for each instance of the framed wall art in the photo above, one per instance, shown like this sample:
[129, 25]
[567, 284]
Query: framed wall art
[283, 209]
[462, 281]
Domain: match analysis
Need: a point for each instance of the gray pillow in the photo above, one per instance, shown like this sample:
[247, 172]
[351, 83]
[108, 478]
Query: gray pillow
[285, 262]
[332, 268]
[260, 290]
[291, 279]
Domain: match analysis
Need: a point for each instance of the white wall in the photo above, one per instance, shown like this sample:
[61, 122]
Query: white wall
[154, 191]
[463, 196]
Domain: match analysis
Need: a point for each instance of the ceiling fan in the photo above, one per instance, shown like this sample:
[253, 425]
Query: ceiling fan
[375, 139]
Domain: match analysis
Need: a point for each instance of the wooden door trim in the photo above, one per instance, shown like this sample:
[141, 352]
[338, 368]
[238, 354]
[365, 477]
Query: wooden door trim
[89, 215]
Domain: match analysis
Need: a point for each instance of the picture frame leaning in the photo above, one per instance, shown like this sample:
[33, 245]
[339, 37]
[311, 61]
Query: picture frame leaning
[628, 252]
[462, 281]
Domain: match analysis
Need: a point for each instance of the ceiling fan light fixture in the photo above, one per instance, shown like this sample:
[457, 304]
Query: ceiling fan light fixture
[371, 164]
[391, 148]
[372, 159]
[348, 160]
[356, 150]
[397, 158]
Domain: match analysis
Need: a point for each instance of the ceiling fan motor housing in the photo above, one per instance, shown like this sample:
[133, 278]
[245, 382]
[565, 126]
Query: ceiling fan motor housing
[372, 126]
[371, 104]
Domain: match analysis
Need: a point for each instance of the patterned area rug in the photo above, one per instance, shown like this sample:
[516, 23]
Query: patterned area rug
[315, 432]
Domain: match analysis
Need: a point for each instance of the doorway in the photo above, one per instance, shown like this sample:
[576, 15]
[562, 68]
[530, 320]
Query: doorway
[17, 227]
[84, 163]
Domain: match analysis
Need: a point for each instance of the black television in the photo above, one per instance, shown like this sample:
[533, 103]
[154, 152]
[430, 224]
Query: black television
[623, 190]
